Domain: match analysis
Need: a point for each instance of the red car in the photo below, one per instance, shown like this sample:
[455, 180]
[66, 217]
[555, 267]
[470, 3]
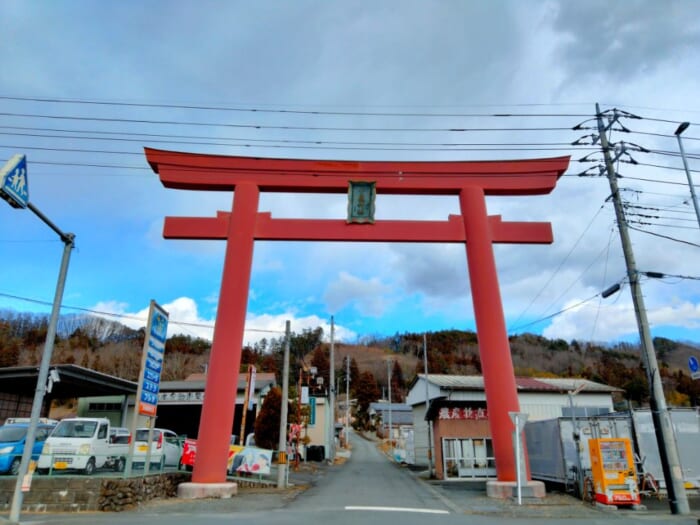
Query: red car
[189, 453]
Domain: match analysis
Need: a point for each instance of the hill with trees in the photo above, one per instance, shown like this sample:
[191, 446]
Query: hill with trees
[112, 348]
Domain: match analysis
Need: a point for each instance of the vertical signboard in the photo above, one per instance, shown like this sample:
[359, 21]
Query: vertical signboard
[152, 361]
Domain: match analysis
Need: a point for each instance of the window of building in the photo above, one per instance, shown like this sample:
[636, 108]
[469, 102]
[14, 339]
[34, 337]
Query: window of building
[468, 458]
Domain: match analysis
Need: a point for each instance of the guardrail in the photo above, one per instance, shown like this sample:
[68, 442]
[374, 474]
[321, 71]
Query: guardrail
[65, 462]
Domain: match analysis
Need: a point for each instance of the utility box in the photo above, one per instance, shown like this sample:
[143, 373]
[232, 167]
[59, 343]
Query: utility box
[613, 473]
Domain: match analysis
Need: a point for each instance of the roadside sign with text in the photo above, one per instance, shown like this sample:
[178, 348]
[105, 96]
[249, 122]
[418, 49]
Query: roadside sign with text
[152, 360]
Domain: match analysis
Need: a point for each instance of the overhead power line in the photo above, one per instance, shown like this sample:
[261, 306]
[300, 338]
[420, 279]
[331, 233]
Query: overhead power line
[273, 126]
[241, 109]
[125, 316]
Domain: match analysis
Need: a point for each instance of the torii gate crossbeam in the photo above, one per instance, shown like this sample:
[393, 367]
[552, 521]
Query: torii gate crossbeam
[470, 181]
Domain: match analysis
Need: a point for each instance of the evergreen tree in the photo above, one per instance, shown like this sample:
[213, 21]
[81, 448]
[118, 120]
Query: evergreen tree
[267, 424]
[366, 391]
[398, 384]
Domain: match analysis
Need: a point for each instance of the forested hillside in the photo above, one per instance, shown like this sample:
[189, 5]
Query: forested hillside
[115, 349]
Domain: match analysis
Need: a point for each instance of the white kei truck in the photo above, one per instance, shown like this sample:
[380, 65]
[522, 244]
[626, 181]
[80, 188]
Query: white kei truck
[83, 444]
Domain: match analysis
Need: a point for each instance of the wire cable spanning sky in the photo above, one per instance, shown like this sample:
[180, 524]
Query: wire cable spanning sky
[352, 81]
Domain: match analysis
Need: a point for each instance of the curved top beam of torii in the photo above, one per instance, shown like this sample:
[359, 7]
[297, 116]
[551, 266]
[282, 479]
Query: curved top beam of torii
[193, 171]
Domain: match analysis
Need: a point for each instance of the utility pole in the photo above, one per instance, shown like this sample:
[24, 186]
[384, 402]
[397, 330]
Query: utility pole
[331, 396]
[283, 460]
[670, 460]
[427, 403]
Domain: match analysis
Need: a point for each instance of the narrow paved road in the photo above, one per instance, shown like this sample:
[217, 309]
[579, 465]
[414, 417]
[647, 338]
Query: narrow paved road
[369, 481]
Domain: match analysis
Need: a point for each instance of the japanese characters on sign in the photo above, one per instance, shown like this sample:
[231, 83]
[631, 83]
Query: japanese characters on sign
[463, 413]
[180, 397]
[152, 363]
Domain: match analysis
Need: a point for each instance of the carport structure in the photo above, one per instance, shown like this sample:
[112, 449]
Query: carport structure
[247, 177]
[18, 383]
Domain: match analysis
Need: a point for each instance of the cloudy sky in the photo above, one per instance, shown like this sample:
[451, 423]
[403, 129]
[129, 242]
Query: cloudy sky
[87, 84]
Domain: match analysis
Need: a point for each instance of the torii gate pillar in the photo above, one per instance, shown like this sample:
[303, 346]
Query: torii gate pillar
[494, 350]
[470, 181]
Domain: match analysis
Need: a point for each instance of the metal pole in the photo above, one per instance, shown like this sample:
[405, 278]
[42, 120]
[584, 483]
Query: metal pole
[282, 445]
[427, 402]
[517, 457]
[678, 132]
[391, 441]
[347, 403]
[331, 397]
[68, 239]
[577, 440]
[670, 460]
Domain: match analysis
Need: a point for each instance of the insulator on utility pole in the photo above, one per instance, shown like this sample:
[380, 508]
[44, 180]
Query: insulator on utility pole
[668, 451]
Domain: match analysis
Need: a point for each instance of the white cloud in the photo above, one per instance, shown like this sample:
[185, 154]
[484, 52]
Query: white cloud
[185, 320]
[369, 297]
[597, 321]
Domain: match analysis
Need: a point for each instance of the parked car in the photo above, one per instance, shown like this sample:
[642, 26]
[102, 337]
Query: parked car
[82, 443]
[165, 447]
[12, 439]
[189, 453]
[119, 435]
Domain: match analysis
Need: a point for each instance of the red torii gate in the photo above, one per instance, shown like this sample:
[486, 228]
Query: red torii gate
[244, 224]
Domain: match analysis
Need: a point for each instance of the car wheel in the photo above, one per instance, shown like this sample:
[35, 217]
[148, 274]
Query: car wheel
[119, 465]
[89, 467]
[14, 467]
[42, 471]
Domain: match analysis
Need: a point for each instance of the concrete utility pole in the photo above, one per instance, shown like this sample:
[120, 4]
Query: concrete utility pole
[427, 403]
[670, 460]
[282, 446]
[331, 396]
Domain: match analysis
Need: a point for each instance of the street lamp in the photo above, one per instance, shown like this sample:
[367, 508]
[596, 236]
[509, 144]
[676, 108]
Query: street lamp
[14, 189]
[681, 128]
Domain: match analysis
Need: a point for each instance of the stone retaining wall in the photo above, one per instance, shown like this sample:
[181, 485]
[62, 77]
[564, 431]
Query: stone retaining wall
[66, 494]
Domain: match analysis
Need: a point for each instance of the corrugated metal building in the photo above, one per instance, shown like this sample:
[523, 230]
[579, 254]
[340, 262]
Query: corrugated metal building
[458, 413]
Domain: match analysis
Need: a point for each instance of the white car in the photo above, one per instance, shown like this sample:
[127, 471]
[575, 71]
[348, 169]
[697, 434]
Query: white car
[165, 447]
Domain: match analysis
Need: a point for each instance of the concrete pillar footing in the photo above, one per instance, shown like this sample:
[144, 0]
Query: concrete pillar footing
[207, 490]
[509, 489]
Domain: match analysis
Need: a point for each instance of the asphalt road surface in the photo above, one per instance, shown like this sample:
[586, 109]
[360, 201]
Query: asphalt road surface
[367, 489]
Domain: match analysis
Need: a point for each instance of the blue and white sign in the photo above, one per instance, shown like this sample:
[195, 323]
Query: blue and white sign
[694, 367]
[15, 186]
[152, 363]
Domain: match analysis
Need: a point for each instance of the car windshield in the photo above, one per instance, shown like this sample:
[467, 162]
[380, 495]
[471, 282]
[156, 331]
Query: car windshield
[142, 435]
[79, 429]
[10, 434]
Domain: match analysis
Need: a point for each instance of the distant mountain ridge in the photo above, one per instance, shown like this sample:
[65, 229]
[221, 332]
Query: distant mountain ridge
[110, 347]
